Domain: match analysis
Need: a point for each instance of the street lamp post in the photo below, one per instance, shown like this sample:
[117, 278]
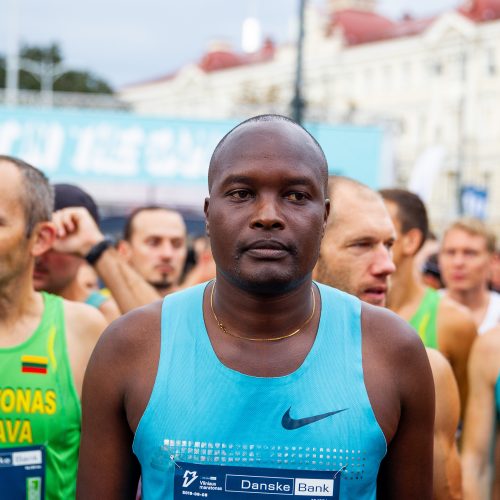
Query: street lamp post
[298, 103]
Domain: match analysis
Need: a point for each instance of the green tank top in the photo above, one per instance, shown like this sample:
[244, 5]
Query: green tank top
[425, 318]
[39, 404]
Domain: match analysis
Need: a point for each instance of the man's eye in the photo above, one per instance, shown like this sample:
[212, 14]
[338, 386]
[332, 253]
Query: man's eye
[240, 194]
[296, 196]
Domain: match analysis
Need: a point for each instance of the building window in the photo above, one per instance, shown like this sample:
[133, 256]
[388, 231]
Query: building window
[491, 62]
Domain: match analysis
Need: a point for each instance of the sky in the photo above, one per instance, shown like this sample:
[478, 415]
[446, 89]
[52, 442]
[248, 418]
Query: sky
[128, 41]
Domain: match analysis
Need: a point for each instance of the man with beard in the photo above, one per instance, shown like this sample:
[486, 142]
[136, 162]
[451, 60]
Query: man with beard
[148, 262]
[155, 245]
[211, 388]
[356, 257]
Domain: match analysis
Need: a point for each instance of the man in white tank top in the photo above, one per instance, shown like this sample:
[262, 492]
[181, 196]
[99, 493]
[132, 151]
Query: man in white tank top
[465, 260]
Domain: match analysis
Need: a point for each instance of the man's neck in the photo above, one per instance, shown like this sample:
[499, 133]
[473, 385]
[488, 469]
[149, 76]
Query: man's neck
[251, 315]
[475, 299]
[406, 291]
[20, 310]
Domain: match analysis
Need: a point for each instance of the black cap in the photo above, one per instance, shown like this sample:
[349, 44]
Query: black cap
[69, 195]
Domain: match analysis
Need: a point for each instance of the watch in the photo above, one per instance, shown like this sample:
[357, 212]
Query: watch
[98, 249]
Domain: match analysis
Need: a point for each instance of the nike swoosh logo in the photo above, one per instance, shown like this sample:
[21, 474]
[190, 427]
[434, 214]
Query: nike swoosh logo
[291, 424]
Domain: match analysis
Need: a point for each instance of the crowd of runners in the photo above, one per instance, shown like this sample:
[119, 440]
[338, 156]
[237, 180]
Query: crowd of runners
[318, 342]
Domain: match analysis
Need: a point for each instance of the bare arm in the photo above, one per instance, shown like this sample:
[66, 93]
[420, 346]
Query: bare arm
[107, 466]
[127, 286]
[84, 326]
[77, 234]
[399, 382]
[447, 472]
[484, 367]
[457, 332]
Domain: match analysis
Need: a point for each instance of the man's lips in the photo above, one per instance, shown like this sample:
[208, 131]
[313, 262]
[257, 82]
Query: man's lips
[40, 271]
[267, 249]
[375, 290]
[164, 268]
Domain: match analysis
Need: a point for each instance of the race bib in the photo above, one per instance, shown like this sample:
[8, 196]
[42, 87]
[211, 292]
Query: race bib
[22, 473]
[216, 482]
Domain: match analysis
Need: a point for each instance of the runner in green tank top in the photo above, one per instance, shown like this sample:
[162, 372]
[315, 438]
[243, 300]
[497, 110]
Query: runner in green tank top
[45, 344]
[39, 404]
[425, 318]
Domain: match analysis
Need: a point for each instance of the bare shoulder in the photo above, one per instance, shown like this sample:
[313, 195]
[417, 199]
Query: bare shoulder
[485, 356]
[133, 332]
[439, 364]
[455, 318]
[127, 357]
[390, 333]
[83, 320]
[444, 379]
[396, 367]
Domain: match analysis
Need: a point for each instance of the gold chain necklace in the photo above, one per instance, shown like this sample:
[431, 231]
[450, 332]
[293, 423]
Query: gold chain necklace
[273, 339]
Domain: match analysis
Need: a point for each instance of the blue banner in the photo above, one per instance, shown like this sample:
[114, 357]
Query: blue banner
[109, 147]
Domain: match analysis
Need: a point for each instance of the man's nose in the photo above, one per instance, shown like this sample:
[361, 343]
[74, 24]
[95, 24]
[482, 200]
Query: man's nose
[383, 263]
[267, 214]
[166, 250]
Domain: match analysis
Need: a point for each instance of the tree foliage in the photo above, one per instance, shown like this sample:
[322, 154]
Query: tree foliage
[47, 58]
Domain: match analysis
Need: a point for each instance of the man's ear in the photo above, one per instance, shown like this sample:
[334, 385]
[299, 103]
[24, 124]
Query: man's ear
[411, 241]
[205, 209]
[43, 238]
[123, 248]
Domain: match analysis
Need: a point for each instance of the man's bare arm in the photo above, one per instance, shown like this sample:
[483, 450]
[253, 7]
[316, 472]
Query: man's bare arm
[447, 472]
[457, 333]
[107, 466]
[77, 234]
[484, 366]
[406, 471]
[129, 288]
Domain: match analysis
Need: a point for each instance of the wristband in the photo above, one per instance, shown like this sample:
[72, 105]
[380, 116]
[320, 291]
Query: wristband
[98, 249]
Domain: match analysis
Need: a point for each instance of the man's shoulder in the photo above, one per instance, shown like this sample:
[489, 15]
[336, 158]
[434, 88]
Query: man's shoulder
[485, 357]
[454, 318]
[81, 318]
[441, 368]
[134, 331]
[389, 334]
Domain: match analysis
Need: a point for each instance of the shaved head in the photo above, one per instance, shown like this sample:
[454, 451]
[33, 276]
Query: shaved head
[342, 188]
[303, 139]
[355, 253]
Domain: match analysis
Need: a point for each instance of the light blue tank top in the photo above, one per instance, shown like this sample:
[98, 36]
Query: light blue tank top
[208, 430]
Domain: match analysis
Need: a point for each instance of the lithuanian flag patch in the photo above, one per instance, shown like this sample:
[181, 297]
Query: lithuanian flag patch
[34, 364]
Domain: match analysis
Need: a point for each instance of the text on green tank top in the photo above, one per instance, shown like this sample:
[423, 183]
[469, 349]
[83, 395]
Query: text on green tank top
[39, 404]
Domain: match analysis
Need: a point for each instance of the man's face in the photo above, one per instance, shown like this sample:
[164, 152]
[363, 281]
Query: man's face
[464, 261]
[356, 250]
[15, 255]
[397, 248]
[267, 207]
[157, 248]
[54, 271]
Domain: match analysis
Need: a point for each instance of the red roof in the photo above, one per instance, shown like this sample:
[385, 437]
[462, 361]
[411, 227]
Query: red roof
[224, 59]
[361, 27]
[481, 10]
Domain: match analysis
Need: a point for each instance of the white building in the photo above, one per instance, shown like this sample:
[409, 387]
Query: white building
[435, 83]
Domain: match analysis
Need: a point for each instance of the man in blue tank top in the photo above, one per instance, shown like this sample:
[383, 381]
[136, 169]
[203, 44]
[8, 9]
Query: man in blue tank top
[260, 382]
